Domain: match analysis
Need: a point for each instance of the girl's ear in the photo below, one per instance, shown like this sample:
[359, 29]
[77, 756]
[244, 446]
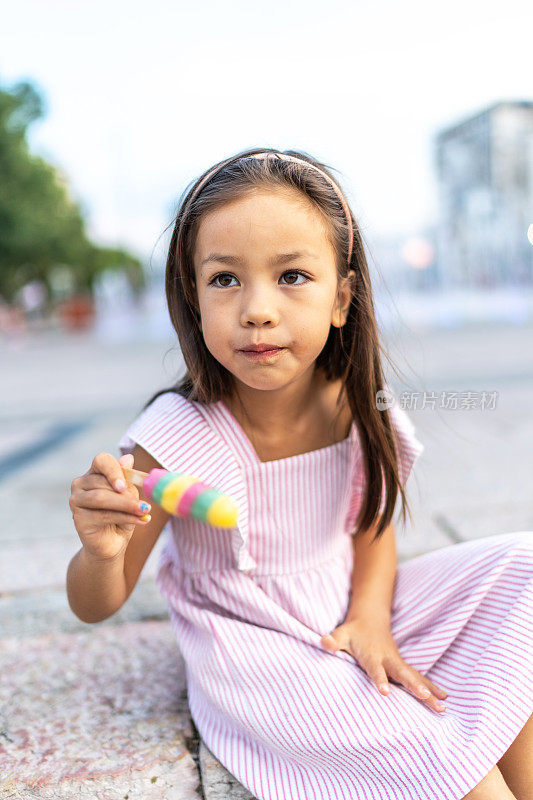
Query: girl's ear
[344, 298]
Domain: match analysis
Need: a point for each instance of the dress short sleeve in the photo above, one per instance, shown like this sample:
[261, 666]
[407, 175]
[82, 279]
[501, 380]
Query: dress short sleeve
[147, 429]
[173, 430]
[410, 447]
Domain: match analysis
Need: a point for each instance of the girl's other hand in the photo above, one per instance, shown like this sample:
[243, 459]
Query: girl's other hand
[373, 647]
[105, 508]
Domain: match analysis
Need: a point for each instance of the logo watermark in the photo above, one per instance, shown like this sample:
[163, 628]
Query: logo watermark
[448, 400]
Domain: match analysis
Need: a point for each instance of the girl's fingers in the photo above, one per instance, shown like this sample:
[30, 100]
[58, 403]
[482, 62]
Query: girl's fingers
[377, 674]
[108, 465]
[425, 683]
[97, 517]
[391, 665]
[434, 688]
[112, 502]
[94, 480]
[329, 642]
[415, 682]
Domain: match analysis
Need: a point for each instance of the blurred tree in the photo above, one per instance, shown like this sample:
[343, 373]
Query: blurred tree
[40, 225]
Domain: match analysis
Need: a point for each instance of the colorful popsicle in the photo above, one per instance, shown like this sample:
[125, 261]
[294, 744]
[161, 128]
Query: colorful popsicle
[186, 496]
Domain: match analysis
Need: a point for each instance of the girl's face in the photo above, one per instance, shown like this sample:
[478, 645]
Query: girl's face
[265, 273]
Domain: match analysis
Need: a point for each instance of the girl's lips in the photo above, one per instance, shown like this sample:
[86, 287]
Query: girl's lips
[256, 355]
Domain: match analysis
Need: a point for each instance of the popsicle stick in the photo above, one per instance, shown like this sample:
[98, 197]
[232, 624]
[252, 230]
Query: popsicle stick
[134, 476]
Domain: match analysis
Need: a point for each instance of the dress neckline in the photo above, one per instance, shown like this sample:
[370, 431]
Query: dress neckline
[251, 449]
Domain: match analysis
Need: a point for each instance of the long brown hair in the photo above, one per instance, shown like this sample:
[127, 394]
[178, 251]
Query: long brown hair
[352, 352]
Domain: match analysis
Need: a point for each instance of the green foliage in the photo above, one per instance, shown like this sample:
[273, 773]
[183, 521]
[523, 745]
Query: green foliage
[40, 225]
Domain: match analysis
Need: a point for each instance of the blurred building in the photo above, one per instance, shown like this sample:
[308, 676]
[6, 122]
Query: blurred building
[485, 180]
[404, 263]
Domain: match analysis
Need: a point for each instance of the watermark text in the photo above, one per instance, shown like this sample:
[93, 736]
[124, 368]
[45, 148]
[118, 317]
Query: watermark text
[449, 400]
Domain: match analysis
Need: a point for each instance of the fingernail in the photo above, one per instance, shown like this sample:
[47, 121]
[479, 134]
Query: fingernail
[120, 485]
[146, 518]
[144, 507]
[441, 706]
[384, 688]
[424, 690]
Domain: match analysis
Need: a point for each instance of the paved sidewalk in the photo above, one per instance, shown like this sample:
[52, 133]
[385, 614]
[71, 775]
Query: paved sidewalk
[101, 714]
[100, 711]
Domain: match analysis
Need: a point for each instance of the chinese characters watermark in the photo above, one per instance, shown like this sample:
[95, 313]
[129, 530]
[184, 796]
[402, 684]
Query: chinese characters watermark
[449, 400]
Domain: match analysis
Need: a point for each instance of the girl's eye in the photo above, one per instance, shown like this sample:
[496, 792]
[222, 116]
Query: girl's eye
[289, 272]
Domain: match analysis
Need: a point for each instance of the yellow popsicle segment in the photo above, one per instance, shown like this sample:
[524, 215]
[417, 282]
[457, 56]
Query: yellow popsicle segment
[223, 512]
[172, 493]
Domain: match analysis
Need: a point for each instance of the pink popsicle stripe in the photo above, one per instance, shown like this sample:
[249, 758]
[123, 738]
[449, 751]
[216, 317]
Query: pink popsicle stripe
[151, 479]
[188, 497]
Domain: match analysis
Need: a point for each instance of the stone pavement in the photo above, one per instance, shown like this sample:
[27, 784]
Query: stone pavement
[101, 710]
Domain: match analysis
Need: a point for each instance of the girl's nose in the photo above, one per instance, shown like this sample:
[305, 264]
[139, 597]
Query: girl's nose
[259, 313]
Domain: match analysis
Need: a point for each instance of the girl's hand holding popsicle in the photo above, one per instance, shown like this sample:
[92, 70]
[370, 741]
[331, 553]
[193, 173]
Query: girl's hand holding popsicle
[106, 508]
[105, 514]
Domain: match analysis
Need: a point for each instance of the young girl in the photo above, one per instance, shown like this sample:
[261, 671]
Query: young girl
[316, 666]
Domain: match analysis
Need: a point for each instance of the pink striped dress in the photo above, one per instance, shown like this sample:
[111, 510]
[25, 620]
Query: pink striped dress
[290, 720]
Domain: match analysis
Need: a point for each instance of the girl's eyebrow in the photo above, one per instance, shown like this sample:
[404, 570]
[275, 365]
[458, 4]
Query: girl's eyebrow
[281, 258]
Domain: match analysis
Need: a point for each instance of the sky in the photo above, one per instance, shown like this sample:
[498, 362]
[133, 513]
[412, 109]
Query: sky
[141, 98]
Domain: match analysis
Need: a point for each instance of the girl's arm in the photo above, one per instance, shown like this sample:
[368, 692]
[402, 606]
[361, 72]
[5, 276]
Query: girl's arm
[374, 573]
[97, 589]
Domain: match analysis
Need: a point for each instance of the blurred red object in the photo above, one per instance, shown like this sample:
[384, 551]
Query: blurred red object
[77, 312]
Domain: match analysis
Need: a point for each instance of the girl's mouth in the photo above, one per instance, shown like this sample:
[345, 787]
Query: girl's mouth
[265, 355]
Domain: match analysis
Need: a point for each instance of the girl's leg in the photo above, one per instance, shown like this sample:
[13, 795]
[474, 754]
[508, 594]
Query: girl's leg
[492, 787]
[516, 764]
